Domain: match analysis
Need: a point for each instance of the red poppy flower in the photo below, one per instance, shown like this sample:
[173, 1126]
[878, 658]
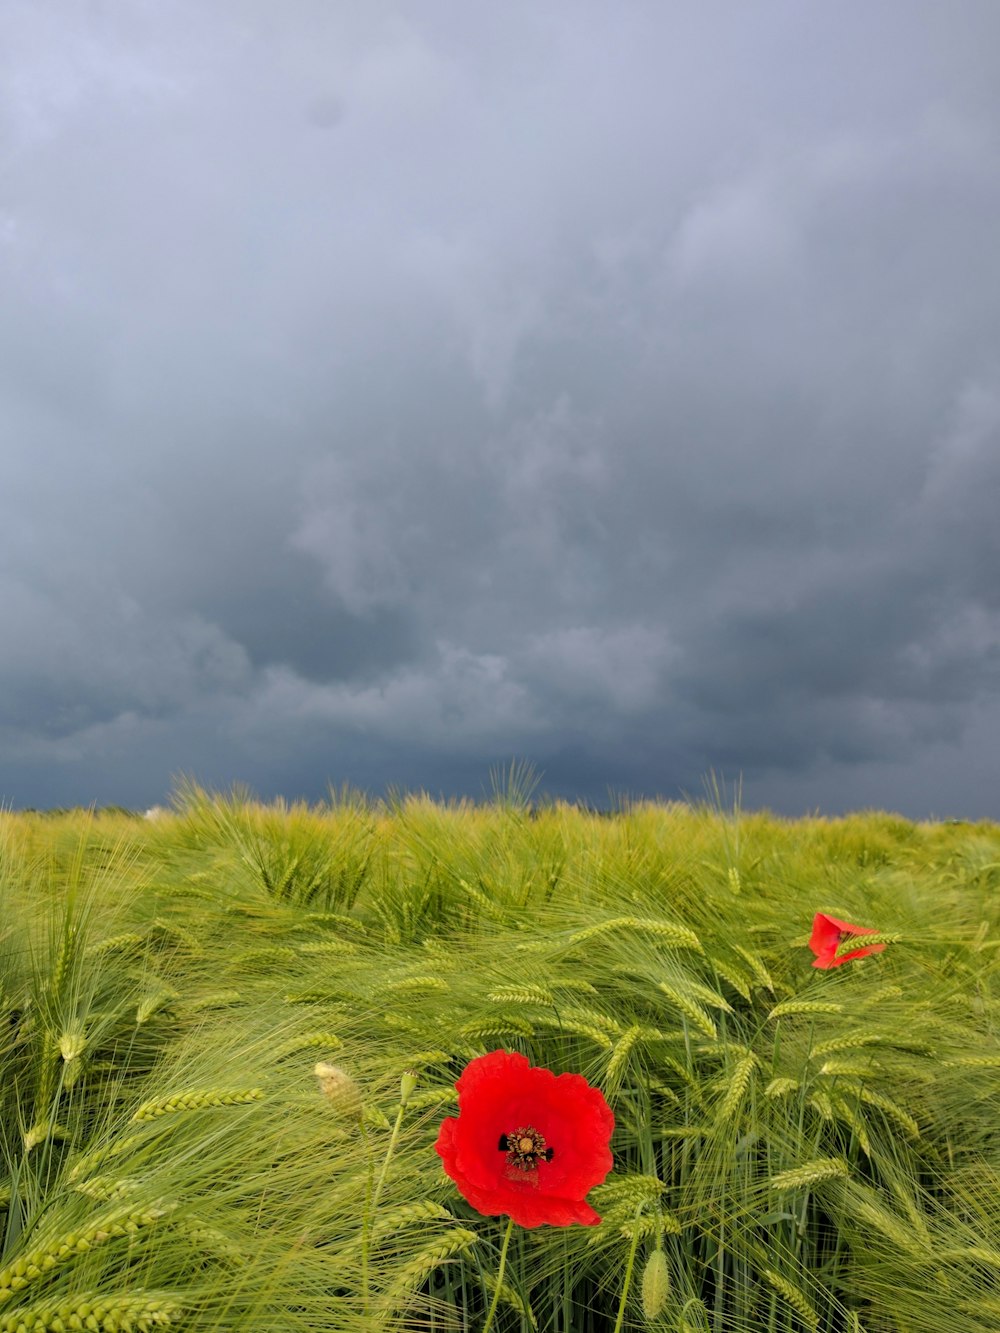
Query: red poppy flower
[527, 1142]
[827, 936]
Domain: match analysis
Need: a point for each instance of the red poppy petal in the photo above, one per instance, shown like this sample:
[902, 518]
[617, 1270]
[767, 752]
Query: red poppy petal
[494, 1096]
[825, 940]
[855, 953]
[546, 1210]
[508, 1065]
[576, 1122]
[532, 1208]
[445, 1146]
[582, 1127]
[500, 1092]
[572, 1116]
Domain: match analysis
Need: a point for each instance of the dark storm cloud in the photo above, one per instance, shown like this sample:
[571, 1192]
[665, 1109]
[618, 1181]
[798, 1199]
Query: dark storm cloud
[387, 391]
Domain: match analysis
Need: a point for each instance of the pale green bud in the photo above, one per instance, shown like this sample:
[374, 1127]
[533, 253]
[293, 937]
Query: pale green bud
[655, 1285]
[339, 1089]
[406, 1086]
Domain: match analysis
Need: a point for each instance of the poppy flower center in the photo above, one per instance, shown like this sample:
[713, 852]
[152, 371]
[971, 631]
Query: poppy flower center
[524, 1148]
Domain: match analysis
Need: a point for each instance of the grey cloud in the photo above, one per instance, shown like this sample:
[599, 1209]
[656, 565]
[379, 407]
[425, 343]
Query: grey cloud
[386, 393]
[71, 662]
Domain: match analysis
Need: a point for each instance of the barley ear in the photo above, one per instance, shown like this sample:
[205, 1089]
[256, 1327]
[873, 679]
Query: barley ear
[196, 1099]
[738, 1086]
[409, 1279]
[795, 1297]
[125, 1312]
[810, 1173]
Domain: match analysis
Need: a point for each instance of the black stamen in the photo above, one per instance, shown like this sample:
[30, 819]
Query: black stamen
[504, 1143]
[549, 1154]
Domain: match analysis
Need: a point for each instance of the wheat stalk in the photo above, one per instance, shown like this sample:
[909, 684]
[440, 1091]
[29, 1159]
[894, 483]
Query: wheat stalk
[158, 998]
[220, 999]
[488, 906]
[266, 955]
[598, 1037]
[421, 1058]
[396, 1219]
[822, 1104]
[810, 1173]
[108, 1189]
[845, 1110]
[31, 1266]
[862, 1203]
[642, 1228]
[677, 937]
[329, 1041]
[847, 1069]
[696, 1309]
[890, 992]
[337, 919]
[852, 942]
[892, 1109]
[431, 1098]
[196, 1099]
[758, 966]
[689, 1009]
[975, 1254]
[522, 995]
[126, 942]
[577, 984]
[416, 984]
[579, 1014]
[505, 1025]
[631, 1190]
[788, 1007]
[853, 1041]
[512, 1298]
[620, 1055]
[131, 1312]
[738, 1086]
[341, 948]
[663, 1090]
[781, 1087]
[795, 1297]
[210, 1240]
[99, 1155]
[411, 1276]
[707, 995]
[736, 979]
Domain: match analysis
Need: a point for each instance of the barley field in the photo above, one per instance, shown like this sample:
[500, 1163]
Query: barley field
[229, 1036]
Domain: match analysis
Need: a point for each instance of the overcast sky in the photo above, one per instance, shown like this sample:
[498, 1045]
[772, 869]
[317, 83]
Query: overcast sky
[390, 389]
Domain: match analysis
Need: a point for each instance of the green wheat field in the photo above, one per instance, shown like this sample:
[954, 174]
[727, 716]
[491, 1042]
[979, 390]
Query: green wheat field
[796, 1150]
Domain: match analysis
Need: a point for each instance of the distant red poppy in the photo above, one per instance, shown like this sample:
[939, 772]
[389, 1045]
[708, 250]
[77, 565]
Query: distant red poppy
[827, 936]
[527, 1143]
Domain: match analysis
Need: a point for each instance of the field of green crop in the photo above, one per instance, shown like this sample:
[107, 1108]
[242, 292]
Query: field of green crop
[795, 1150]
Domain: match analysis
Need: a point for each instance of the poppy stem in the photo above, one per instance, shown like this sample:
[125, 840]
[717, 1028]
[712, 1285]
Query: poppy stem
[407, 1085]
[393, 1137]
[628, 1274]
[500, 1272]
[366, 1219]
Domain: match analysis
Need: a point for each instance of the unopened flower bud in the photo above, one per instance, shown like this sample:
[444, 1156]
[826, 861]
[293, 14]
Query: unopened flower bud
[406, 1086]
[655, 1284]
[339, 1089]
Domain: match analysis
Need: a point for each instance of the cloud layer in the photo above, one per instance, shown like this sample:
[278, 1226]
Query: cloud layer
[386, 392]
